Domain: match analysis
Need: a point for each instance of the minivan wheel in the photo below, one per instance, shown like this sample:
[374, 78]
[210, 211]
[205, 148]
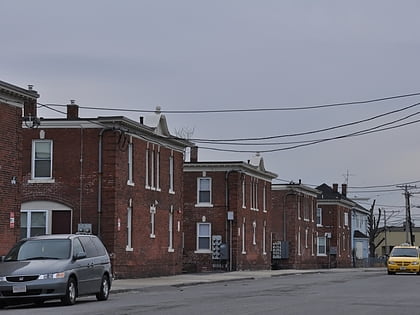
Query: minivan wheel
[71, 292]
[103, 294]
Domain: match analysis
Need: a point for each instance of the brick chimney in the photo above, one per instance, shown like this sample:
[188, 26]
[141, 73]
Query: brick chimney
[72, 110]
[344, 190]
[335, 187]
[29, 106]
[194, 154]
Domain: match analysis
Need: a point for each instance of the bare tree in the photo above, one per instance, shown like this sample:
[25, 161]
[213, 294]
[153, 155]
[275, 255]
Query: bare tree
[373, 230]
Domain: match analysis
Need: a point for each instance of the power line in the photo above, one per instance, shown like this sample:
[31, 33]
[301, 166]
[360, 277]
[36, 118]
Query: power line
[252, 109]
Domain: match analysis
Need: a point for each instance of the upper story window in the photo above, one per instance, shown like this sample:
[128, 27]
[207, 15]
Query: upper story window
[254, 194]
[42, 159]
[319, 216]
[171, 173]
[130, 162]
[152, 167]
[346, 219]
[243, 193]
[306, 208]
[204, 191]
[265, 197]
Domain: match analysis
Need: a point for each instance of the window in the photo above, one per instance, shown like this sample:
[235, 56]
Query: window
[254, 194]
[319, 216]
[204, 190]
[130, 162]
[306, 208]
[264, 239]
[299, 242]
[254, 227]
[171, 229]
[147, 167]
[171, 173]
[243, 237]
[203, 237]
[158, 169]
[42, 159]
[129, 229]
[152, 221]
[33, 223]
[265, 198]
[322, 246]
[243, 193]
[346, 219]
[306, 237]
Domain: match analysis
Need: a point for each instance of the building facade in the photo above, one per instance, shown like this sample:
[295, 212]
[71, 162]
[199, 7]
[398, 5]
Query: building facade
[111, 176]
[295, 226]
[227, 215]
[334, 228]
[12, 101]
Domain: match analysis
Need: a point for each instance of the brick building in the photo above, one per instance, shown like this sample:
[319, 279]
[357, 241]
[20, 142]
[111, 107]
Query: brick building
[111, 176]
[227, 215]
[295, 226]
[334, 212]
[12, 101]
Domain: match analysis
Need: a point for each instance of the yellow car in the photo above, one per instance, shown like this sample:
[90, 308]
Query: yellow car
[404, 258]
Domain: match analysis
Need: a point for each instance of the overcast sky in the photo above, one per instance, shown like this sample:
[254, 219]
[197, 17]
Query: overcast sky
[218, 55]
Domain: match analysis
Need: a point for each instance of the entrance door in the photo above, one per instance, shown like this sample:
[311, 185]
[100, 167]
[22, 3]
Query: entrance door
[61, 222]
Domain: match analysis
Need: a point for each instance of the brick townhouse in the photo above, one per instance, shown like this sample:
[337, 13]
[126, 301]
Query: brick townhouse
[12, 101]
[297, 243]
[227, 215]
[334, 213]
[110, 176]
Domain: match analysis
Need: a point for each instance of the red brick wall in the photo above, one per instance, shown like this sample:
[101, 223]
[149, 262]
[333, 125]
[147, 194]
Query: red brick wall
[10, 166]
[149, 256]
[217, 216]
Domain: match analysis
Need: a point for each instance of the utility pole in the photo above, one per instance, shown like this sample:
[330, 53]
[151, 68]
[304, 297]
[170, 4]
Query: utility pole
[408, 226]
[385, 236]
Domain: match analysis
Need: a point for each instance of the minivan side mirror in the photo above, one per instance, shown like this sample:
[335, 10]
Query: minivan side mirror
[80, 255]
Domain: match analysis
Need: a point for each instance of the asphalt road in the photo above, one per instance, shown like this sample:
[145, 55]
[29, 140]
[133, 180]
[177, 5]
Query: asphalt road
[355, 292]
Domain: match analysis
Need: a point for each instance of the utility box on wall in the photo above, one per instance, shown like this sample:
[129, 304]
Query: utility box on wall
[280, 250]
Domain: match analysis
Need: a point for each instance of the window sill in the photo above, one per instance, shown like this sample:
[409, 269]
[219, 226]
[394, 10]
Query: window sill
[243, 253]
[129, 249]
[171, 250]
[130, 183]
[152, 236]
[322, 255]
[204, 205]
[172, 192]
[41, 181]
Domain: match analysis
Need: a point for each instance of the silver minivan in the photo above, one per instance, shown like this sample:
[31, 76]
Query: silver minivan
[48, 267]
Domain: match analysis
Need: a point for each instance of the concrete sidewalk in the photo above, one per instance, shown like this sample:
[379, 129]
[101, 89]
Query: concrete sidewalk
[126, 285]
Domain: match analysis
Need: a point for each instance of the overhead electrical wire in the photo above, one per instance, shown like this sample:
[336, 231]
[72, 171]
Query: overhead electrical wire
[251, 109]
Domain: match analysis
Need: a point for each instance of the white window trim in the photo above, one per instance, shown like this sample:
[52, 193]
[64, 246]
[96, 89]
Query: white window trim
[43, 179]
[28, 220]
[243, 194]
[203, 251]
[204, 204]
[320, 217]
[171, 174]
[265, 197]
[130, 180]
[317, 246]
[243, 237]
[147, 185]
[152, 221]
[254, 230]
[171, 230]
[129, 247]
[264, 238]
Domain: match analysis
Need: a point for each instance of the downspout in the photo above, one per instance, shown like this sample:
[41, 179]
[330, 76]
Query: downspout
[100, 171]
[284, 213]
[230, 222]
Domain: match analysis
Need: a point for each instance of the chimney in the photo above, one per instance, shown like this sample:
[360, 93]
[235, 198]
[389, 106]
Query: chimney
[194, 154]
[29, 106]
[344, 190]
[72, 110]
[141, 120]
[335, 187]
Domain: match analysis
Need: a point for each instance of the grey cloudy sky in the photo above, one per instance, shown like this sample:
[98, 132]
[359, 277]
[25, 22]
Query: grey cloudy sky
[210, 55]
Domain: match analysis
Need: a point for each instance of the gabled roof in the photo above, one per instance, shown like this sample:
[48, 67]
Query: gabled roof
[359, 234]
[329, 195]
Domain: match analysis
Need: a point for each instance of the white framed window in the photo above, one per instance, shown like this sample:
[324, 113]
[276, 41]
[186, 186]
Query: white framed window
[265, 197]
[306, 237]
[42, 159]
[312, 244]
[147, 167]
[243, 193]
[322, 246]
[158, 169]
[171, 229]
[204, 237]
[299, 244]
[319, 216]
[264, 238]
[130, 162]
[204, 191]
[152, 221]
[129, 246]
[254, 232]
[152, 170]
[171, 174]
[254, 194]
[33, 223]
[243, 237]
[346, 219]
